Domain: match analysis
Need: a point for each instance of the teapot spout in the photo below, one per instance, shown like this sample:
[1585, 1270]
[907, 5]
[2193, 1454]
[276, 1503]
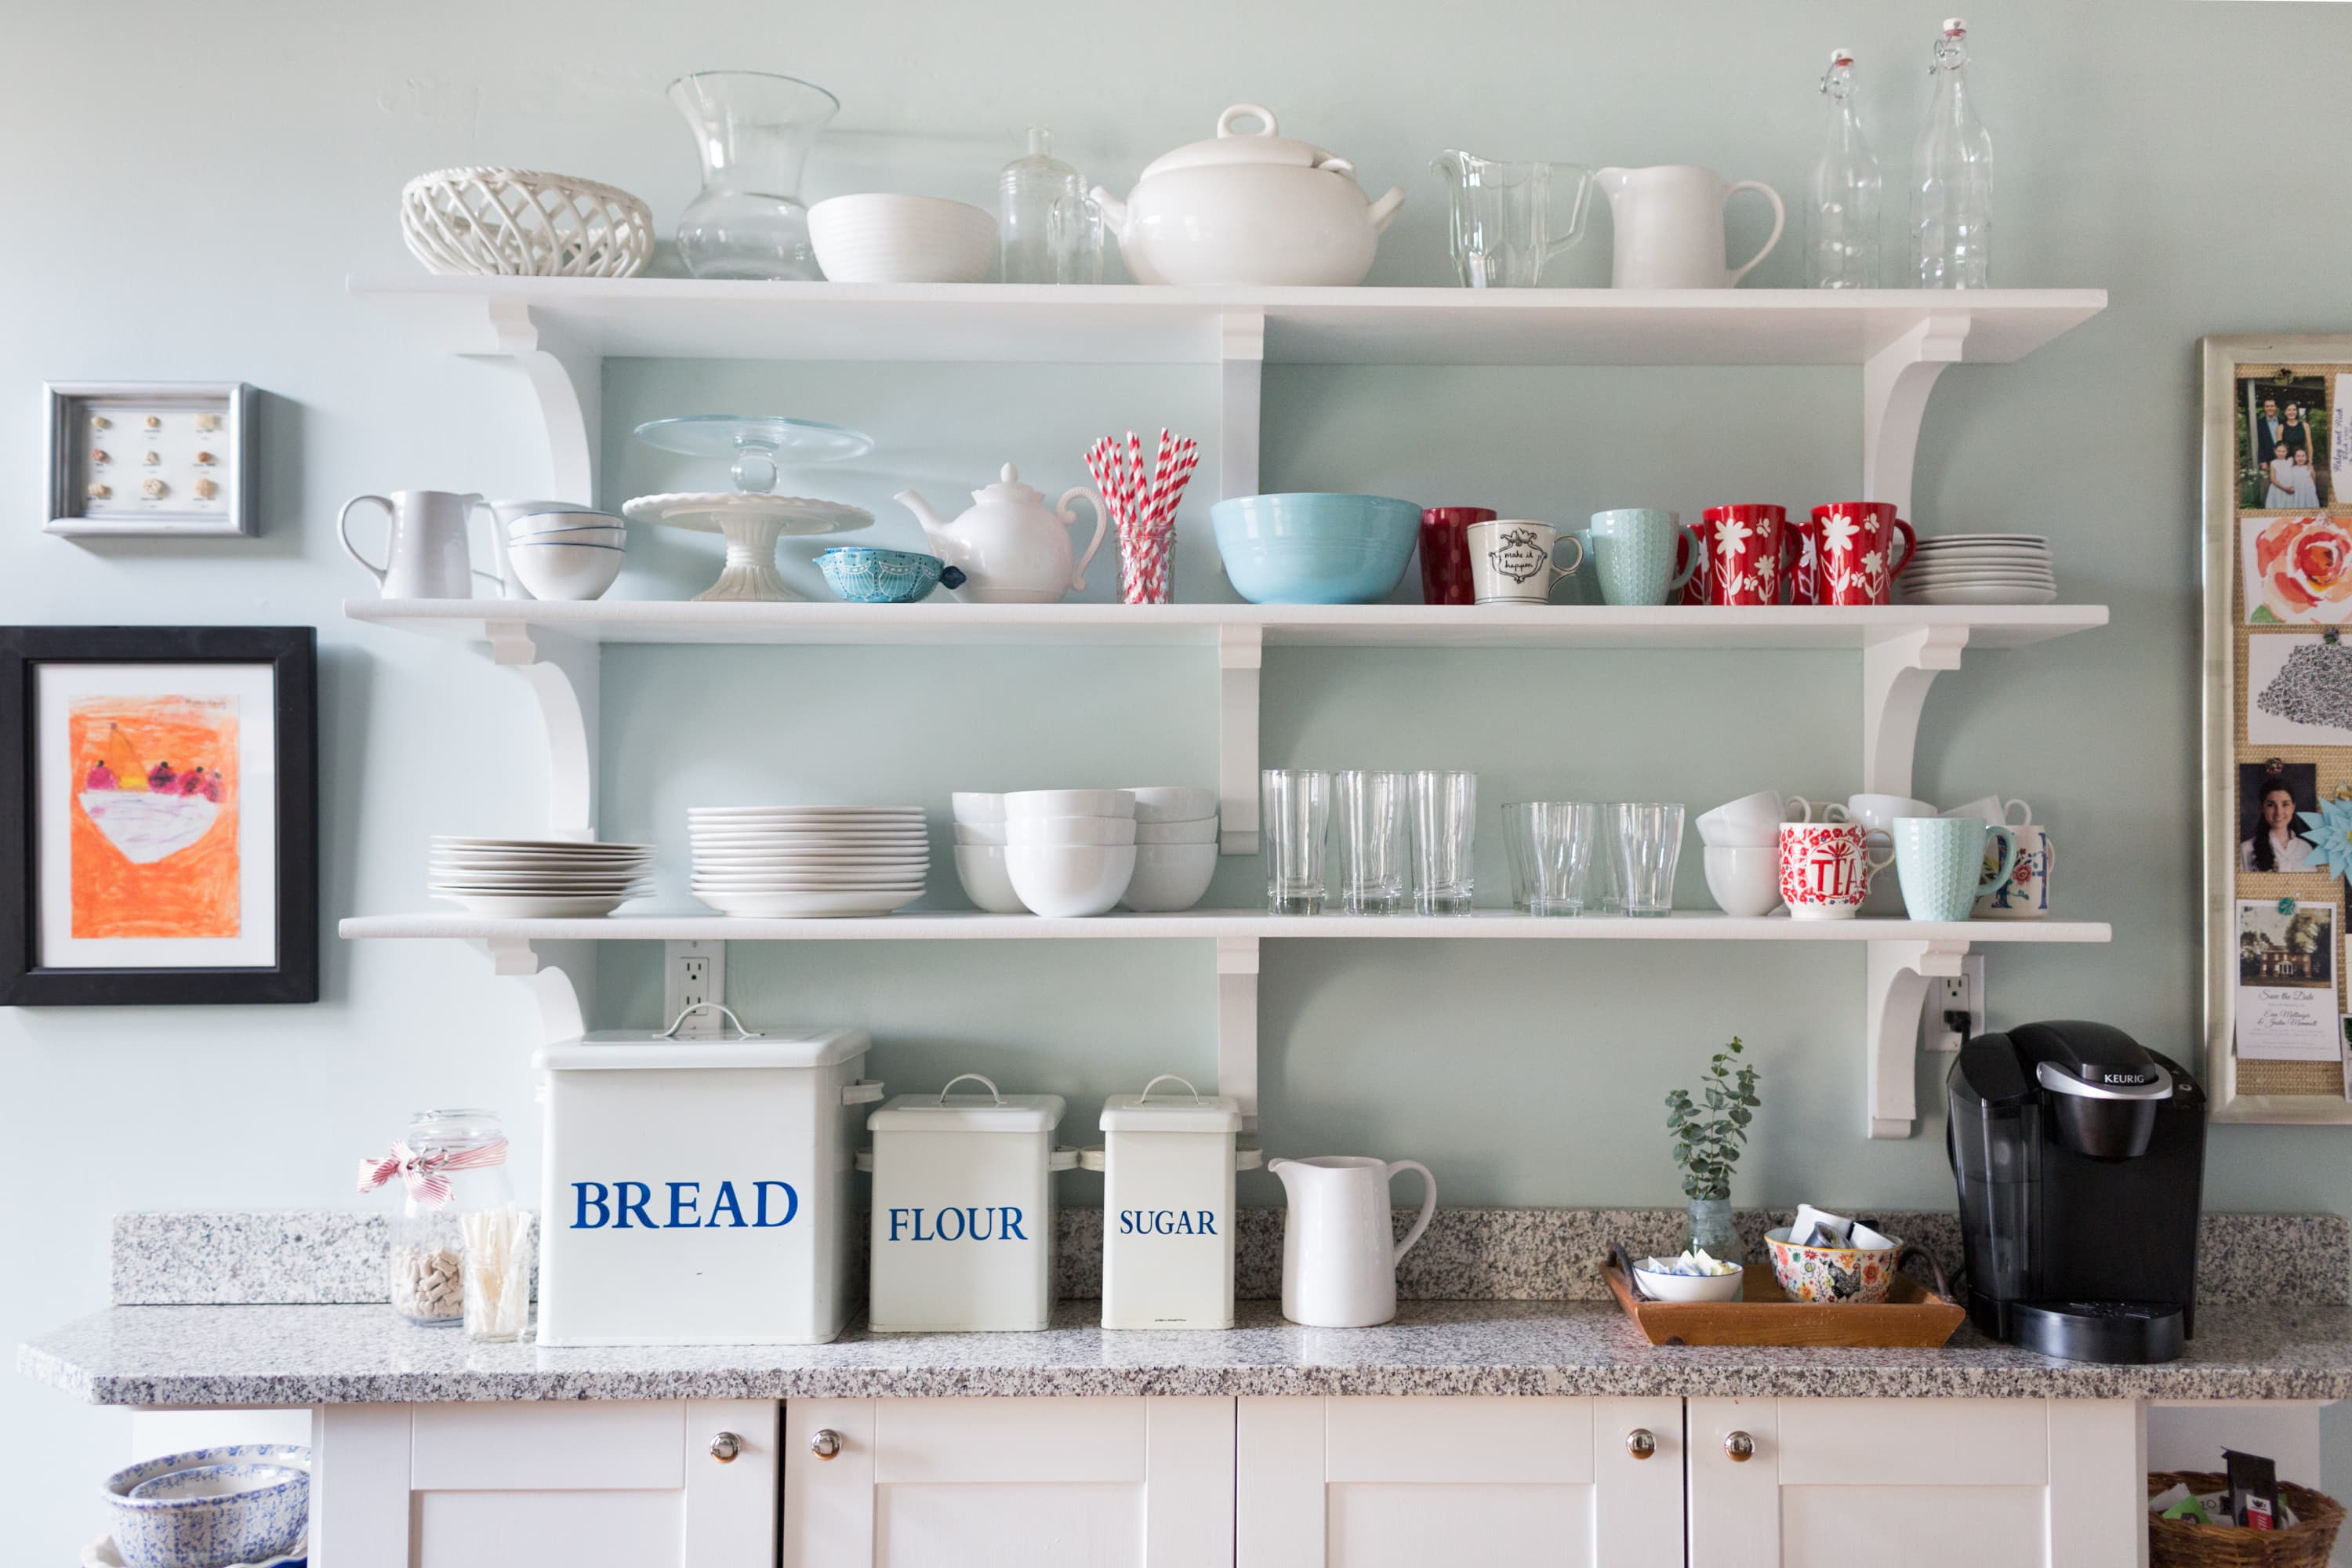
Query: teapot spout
[933, 524]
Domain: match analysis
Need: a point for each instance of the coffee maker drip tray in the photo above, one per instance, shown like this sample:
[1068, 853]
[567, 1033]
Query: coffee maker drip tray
[2116, 1332]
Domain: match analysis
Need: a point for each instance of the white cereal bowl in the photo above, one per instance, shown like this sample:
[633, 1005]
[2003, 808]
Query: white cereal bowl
[882, 237]
[1170, 876]
[986, 882]
[1066, 881]
[1069, 803]
[1173, 803]
[565, 570]
[197, 1525]
[1203, 831]
[972, 808]
[987, 833]
[1691, 1287]
[1069, 830]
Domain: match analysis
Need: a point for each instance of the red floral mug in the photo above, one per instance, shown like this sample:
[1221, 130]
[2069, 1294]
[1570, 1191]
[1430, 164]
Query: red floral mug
[1825, 868]
[1849, 546]
[1744, 548]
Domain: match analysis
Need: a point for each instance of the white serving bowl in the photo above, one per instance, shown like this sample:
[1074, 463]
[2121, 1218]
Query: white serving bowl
[1024, 803]
[986, 882]
[989, 832]
[971, 807]
[1066, 880]
[883, 238]
[1745, 879]
[1691, 1287]
[1173, 803]
[199, 1525]
[565, 570]
[1203, 831]
[567, 520]
[1170, 876]
[1069, 830]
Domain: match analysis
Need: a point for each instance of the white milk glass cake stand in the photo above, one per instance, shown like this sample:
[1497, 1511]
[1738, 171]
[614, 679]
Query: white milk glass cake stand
[751, 516]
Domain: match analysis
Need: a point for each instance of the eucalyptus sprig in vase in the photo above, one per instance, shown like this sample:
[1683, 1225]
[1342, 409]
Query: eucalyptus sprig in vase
[1709, 1133]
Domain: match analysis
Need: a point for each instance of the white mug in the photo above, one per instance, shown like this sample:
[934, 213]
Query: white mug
[1877, 814]
[1996, 810]
[1511, 561]
[1745, 878]
[2025, 894]
[1755, 819]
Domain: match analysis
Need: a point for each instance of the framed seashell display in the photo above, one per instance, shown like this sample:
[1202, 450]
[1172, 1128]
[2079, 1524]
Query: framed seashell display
[150, 459]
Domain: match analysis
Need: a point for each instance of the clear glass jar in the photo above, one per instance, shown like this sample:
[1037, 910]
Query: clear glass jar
[753, 131]
[466, 1151]
[1714, 1229]
[1051, 231]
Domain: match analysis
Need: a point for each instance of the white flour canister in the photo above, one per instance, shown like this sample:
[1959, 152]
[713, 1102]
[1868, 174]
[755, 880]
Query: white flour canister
[1167, 1207]
[697, 1190]
[964, 1209]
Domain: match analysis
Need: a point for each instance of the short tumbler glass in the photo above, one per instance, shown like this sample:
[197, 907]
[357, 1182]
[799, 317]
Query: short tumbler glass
[1551, 854]
[1649, 841]
[1372, 811]
[1296, 812]
[1445, 816]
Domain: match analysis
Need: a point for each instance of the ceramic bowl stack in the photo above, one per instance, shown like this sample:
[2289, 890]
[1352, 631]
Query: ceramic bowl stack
[538, 879]
[1070, 852]
[1175, 847]
[980, 836]
[209, 1508]
[1979, 569]
[567, 554]
[809, 862]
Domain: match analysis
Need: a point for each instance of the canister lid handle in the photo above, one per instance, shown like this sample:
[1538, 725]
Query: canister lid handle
[865, 1159]
[976, 1079]
[1249, 1157]
[1063, 1158]
[864, 1092]
[722, 1010]
[1167, 1077]
[1094, 1159]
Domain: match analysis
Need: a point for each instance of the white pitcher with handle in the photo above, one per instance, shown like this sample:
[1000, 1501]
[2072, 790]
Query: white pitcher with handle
[1669, 223]
[1339, 1257]
[426, 557]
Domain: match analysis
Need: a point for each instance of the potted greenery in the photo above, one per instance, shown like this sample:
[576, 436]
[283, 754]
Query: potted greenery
[1709, 1136]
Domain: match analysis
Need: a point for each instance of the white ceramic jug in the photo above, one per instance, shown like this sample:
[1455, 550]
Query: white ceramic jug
[426, 558]
[1338, 1262]
[1669, 223]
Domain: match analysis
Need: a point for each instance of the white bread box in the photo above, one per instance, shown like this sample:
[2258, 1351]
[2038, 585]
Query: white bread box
[1167, 1207]
[697, 1190]
[963, 1210]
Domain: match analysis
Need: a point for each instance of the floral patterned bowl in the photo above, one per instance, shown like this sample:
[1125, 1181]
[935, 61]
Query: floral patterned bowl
[1834, 1274]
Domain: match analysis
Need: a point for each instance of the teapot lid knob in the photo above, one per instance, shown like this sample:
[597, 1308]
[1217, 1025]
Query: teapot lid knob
[1010, 474]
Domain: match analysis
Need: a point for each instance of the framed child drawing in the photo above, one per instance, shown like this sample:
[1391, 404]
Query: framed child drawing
[158, 816]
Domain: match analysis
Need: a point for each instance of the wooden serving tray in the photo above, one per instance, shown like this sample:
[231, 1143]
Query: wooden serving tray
[1912, 1316]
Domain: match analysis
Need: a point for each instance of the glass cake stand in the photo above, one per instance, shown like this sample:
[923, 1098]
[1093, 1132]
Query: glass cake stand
[751, 516]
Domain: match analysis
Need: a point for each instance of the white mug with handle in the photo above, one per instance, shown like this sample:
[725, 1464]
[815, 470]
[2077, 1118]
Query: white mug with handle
[1511, 561]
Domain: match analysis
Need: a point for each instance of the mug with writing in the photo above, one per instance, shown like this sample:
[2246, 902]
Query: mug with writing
[1853, 553]
[1744, 545]
[1511, 561]
[1445, 553]
[2024, 894]
[1825, 869]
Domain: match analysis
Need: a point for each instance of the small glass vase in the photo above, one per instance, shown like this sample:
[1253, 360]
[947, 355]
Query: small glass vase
[753, 133]
[1714, 1230]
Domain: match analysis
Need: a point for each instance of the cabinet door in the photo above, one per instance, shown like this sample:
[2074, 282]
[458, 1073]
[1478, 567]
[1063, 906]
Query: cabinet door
[1942, 1483]
[1085, 1483]
[1504, 1482]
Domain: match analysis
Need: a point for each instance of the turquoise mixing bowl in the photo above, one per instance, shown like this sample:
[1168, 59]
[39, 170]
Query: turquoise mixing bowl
[1314, 548]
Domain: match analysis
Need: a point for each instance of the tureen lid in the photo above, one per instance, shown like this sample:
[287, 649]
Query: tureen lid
[1264, 145]
[1009, 489]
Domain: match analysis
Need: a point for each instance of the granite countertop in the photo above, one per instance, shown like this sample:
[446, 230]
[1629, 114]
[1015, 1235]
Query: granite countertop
[258, 1355]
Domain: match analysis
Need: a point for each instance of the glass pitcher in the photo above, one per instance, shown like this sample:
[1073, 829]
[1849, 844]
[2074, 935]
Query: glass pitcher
[753, 131]
[1505, 225]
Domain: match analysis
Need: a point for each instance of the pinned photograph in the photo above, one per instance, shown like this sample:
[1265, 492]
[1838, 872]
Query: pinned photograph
[2286, 942]
[2298, 691]
[2272, 835]
[2284, 455]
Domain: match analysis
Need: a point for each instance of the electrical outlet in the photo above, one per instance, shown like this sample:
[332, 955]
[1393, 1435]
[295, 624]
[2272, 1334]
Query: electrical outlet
[1955, 1008]
[693, 973]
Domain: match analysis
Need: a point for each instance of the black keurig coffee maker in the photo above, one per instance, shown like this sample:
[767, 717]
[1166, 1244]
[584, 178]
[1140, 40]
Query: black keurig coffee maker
[2080, 1156]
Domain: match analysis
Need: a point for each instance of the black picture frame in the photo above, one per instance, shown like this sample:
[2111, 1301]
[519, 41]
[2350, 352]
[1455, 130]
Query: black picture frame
[293, 654]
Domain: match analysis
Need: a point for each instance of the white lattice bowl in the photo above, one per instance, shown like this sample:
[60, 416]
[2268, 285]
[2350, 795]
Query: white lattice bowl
[523, 223]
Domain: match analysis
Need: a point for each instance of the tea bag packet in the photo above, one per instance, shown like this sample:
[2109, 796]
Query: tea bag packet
[1819, 1227]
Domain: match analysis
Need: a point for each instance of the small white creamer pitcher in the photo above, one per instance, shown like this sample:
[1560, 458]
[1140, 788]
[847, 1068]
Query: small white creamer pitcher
[1669, 223]
[1338, 1261]
[426, 557]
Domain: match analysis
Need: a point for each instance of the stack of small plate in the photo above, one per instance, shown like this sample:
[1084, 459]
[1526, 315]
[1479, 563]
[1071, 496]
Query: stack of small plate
[809, 861]
[1979, 569]
[538, 879]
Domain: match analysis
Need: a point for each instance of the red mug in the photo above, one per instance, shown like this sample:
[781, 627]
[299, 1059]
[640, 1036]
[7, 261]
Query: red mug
[1825, 868]
[1854, 558]
[1446, 553]
[1745, 546]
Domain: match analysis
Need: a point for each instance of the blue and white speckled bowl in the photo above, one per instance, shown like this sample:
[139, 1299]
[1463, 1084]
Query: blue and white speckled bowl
[191, 1523]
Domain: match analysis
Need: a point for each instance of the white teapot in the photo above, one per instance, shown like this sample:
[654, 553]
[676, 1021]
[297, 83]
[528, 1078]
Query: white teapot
[1012, 548]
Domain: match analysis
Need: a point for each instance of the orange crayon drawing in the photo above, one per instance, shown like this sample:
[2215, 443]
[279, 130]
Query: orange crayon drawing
[154, 849]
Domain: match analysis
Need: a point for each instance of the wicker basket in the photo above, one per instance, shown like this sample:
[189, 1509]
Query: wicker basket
[522, 223]
[2181, 1543]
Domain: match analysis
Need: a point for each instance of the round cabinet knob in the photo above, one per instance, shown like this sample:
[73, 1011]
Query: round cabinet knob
[1740, 1447]
[825, 1444]
[1641, 1442]
[724, 1446]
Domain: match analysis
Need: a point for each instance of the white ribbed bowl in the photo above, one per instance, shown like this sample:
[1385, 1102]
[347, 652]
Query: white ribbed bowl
[882, 237]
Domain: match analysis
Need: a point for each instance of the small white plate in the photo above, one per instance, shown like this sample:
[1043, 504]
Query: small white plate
[1981, 596]
[565, 846]
[804, 884]
[805, 906]
[815, 860]
[514, 907]
[699, 813]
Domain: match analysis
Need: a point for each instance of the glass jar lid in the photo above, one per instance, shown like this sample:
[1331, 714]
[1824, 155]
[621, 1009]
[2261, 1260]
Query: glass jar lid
[453, 1130]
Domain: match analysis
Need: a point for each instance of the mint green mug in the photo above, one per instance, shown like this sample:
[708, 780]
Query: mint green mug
[1943, 864]
[1634, 549]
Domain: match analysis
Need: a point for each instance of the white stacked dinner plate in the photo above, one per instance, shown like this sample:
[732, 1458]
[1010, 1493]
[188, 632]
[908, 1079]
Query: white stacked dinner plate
[538, 879]
[1979, 569]
[808, 861]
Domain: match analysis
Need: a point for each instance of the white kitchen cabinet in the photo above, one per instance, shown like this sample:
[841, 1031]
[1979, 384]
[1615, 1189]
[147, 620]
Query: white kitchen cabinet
[1939, 1483]
[598, 1484]
[988, 1483]
[1500, 1482]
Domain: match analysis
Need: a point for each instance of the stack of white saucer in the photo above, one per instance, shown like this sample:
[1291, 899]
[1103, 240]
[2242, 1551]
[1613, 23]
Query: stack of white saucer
[538, 879]
[809, 861]
[1979, 569]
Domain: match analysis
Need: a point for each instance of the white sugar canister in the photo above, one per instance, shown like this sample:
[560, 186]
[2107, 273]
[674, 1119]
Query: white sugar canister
[1168, 1167]
[964, 1209]
[697, 1190]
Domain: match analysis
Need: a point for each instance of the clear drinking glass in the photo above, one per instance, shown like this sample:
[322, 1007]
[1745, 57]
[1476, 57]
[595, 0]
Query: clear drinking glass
[1051, 231]
[1371, 810]
[1502, 226]
[753, 131]
[1608, 883]
[1294, 809]
[1444, 813]
[1649, 842]
[1551, 854]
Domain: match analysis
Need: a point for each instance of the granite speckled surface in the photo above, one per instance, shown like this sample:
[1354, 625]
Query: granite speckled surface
[309, 1356]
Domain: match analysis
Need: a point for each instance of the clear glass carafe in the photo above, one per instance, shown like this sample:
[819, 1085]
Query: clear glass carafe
[1508, 220]
[453, 1167]
[1053, 232]
[754, 132]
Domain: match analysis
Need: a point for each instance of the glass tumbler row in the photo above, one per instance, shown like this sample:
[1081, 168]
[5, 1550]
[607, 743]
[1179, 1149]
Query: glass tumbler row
[1615, 856]
[1396, 831]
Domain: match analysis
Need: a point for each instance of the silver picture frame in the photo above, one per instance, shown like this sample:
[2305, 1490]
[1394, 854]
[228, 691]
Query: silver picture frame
[67, 439]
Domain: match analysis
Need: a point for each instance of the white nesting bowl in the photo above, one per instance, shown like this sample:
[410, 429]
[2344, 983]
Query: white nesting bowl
[1051, 830]
[1069, 803]
[986, 882]
[1690, 1286]
[1066, 880]
[1173, 803]
[987, 833]
[1170, 876]
[565, 570]
[1203, 831]
[972, 808]
[572, 520]
[881, 238]
[197, 1523]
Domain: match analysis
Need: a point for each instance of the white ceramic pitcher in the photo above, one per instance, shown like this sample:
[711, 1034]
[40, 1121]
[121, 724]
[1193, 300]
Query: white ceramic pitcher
[1669, 223]
[1339, 1263]
[426, 557]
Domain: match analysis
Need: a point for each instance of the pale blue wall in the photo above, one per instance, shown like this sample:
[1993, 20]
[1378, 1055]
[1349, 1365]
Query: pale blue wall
[189, 186]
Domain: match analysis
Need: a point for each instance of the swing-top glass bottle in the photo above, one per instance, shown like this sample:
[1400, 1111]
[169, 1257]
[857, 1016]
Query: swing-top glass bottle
[1842, 215]
[1951, 178]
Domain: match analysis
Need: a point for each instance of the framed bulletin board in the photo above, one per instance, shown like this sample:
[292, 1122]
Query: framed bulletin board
[2277, 726]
